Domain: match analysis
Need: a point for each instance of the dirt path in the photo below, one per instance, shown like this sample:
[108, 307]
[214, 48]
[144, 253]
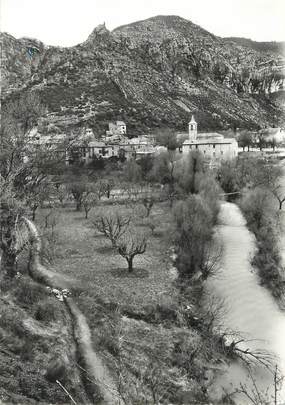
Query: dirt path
[104, 387]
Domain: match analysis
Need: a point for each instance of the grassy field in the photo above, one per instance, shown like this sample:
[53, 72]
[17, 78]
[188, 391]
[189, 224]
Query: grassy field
[139, 321]
[88, 257]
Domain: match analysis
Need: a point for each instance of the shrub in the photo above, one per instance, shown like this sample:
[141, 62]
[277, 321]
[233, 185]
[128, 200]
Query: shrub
[50, 247]
[49, 310]
[29, 292]
[11, 321]
[264, 223]
[194, 222]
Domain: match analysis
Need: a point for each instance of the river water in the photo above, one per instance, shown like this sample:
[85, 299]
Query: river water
[250, 308]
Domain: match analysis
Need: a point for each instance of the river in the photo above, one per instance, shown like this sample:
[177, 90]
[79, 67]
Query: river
[250, 308]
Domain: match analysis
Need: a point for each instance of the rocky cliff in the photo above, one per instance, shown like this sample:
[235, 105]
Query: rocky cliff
[151, 73]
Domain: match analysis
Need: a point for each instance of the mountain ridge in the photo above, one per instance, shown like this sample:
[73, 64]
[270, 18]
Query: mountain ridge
[150, 73]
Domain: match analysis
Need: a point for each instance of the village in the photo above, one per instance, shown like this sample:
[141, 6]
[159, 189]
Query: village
[116, 143]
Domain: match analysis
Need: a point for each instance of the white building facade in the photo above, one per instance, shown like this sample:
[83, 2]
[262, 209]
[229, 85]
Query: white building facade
[212, 145]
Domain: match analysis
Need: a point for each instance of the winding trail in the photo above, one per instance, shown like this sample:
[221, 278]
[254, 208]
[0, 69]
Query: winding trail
[103, 387]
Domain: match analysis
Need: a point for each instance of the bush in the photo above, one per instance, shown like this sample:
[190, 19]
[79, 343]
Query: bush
[11, 321]
[50, 247]
[194, 222]
[49, 310]
[263, 222]
[29, 292]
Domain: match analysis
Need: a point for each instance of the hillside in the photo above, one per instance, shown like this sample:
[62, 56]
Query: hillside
[151, 73]
[268, 47]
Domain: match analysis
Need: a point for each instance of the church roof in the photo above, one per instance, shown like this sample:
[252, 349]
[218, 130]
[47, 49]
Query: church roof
[209, 135]
[192, 120]
[209, 141]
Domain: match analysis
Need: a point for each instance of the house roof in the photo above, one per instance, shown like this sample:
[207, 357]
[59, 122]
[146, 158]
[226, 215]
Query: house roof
[96, 144]
[120, 123]
[270, 131]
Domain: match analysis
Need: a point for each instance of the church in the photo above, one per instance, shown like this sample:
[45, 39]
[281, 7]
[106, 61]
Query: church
[211, 144]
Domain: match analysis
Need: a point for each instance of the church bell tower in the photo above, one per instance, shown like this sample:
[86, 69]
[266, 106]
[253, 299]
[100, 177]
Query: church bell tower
[192, 129]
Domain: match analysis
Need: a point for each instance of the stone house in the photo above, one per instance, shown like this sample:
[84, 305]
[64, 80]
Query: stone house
[212, 145]
[118, 128]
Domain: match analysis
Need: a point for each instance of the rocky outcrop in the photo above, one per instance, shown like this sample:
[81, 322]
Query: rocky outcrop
[149, 74]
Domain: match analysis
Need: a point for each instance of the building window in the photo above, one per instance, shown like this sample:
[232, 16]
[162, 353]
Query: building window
[196, 146]
[222, 152]
[214, 154]
[214, 146]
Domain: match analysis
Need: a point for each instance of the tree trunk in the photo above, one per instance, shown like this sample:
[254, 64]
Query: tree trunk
[78, 206]
[34, 214]
[9, 263]
[280, 204]
[130, 264]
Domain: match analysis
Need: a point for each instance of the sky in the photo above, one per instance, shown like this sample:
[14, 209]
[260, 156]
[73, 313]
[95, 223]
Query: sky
[69, 22]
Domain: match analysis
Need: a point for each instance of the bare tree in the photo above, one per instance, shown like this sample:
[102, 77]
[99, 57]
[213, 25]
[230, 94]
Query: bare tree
[164, 172]
[148, 204]
[131, 245]
[11, 240]
[255, 395]
[113, 226]
[151, 224]
[36, 196]
[89, 200]
[77, 189]
[61, 193]
[280, 195]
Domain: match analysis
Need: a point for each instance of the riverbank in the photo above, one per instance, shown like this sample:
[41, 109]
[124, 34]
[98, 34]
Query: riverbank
[263, 220]
[252, 316]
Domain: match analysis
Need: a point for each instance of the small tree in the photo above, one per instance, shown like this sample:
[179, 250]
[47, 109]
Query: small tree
[110, 184]
[12, 241]
[113, 226]
[164, 172]
[132, 172]
[167, 138]
[36, 196]
[151, 224]
[194, 229]
[89, 200]
[148, 204]
[279, 194]
[245, 140]
[61, 193]
[257, 206]
[131, 245]
[77, 190]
